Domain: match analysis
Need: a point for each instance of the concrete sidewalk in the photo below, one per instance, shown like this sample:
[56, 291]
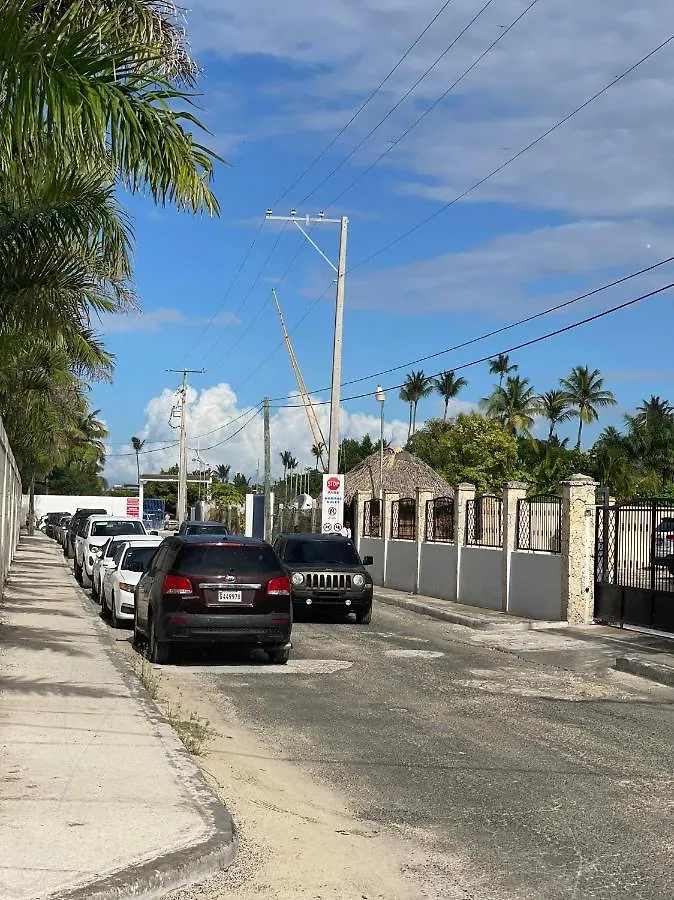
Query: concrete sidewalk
[98, 797]
[588, 649]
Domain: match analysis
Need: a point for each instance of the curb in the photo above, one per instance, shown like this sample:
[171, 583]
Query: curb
[177, 868]
[653, 671]
[457, 618]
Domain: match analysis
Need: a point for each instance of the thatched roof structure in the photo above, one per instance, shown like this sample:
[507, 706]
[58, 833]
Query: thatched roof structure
[403, 473]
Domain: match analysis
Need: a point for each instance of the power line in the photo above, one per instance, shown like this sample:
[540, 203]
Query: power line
[435, 103]
[399, 102]
[508, 350]
[142, 452]
[365, 102]
[512, 159]
[196, 437]
[501, 329]
[227, 292]
[231, 436]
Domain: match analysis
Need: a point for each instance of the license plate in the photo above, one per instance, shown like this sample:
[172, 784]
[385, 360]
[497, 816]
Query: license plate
[230, 596]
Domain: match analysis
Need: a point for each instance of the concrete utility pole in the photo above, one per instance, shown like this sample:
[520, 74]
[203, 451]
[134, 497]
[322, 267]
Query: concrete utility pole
[182, 458]
[340, 270]
[267, 471]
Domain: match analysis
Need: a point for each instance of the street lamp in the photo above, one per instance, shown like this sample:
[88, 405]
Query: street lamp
[380, 394]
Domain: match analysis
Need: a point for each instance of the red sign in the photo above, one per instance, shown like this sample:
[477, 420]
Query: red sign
[334, 484]
[132, 506]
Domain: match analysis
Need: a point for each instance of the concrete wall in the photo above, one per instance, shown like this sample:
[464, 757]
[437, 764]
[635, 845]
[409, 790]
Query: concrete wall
[480, 579]
[438, 571]
[535, 580]
[10, 505]
[374, 547]
[46, 503]
[401, 565]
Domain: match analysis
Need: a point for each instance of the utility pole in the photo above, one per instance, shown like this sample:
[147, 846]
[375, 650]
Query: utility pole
[182, 458]
[267, 471]
[340, 270]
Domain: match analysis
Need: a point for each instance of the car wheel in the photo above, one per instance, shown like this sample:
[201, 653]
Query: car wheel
[138, 638]
[95, 596]
[114, 621]
[158, 651]
[364, 616]
[279, 656]
[85, 581]
[104, 613]
[77, 570]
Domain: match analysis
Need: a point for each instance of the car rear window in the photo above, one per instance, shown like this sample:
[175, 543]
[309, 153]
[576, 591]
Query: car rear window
[137, 558]
[328, 552]
[666, 525]
[215, 559]
[206, 529]
[109, 529]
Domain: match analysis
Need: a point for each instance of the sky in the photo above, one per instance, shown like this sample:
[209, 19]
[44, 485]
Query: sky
[440, 251]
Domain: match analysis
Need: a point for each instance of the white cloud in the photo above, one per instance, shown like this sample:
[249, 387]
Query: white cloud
[155, 320]
[210, 408]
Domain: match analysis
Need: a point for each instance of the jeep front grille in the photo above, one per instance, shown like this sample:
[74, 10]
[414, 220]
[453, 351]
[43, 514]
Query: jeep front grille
[327, 581]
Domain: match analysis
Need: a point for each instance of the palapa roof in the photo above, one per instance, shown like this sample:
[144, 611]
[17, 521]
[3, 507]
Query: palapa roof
[403, 473]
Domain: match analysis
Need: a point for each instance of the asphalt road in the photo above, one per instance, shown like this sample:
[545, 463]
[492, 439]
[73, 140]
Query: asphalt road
[517, 780]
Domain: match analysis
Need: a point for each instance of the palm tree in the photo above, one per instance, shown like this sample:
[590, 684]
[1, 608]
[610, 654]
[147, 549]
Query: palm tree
[417, 386]
[514, 405]
[286, 457]
[406, 397]
[554, 406]
[448, 386]
[137, 445]
[317, 451]
[292, 465]
[654, 412]
[501, 366]
[222, 472]
[585, 394]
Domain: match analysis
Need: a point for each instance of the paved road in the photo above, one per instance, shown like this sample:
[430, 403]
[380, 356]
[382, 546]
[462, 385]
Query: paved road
[517, 780]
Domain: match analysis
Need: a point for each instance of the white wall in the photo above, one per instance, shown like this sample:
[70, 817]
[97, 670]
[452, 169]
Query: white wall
[46, 503]
[374, 547]
[480, 577]
[535, 585]
[401, 565]
[438, 571]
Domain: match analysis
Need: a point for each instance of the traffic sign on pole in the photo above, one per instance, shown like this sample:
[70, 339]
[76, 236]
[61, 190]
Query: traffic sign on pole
[333, 504]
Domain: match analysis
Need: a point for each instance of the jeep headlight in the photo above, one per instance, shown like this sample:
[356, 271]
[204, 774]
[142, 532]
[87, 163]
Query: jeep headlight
[297, 579]
[358, 580]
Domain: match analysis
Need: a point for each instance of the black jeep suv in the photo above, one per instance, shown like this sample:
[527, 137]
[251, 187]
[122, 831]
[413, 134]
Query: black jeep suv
[326, 571]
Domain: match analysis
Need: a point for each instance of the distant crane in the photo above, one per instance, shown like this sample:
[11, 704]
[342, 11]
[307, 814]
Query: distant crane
[314, 425]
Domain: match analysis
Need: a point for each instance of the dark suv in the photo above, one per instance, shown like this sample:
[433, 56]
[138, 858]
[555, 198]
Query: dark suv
[205, 527]
[326, 570]
[73, 525]
[201, 589]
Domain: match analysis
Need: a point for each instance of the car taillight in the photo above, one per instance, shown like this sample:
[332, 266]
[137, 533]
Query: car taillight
[278, 586]
[177, 584]
[669, 537]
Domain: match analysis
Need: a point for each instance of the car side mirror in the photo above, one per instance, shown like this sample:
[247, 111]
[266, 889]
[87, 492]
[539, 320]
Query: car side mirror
[156, 533]
[368, 561]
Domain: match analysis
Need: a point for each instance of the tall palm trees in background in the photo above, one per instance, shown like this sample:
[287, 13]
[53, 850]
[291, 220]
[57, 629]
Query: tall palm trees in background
[514, 405]
[501, 366]
[586, 395]
[448, 386]
[137, 445]
[554, 406]
[416, 387]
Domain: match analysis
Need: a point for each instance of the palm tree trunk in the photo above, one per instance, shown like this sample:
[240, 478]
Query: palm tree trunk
[552, 430]
[444, 418]
[580, 432]
[414, 417]
[409, 429]
[138, 467]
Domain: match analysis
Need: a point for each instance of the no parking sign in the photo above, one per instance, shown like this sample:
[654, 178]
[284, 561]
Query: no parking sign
[333, 504]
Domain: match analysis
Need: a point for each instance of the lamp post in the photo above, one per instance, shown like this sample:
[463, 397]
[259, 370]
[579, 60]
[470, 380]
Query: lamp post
[380, 394]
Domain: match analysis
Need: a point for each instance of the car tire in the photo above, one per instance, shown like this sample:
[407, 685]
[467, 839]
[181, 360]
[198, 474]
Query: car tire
[279, 656]
[95, 596]
[364, 616]
[104, 613]
[114, 621]
[85, 580]
[158, 652]
[77, 571]
[138, 639]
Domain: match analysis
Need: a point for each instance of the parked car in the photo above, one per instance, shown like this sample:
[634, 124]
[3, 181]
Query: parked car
[664, 544]
[131, 558]
[75, 522]
[92, 534]
[203, 528]
[105, 559]
[60, 529]
[50, 522]
[326, 571]
[205, 589]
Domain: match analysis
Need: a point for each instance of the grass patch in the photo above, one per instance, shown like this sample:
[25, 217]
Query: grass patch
[193, 731]
[148, 678]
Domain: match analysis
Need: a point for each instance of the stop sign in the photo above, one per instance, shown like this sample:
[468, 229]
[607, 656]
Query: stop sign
[333, 484]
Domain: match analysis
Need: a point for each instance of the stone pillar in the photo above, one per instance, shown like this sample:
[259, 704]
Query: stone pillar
[462, 494]
[359, 501]
[513, 492]
[577, 540]
[422, 499]
[389, 499]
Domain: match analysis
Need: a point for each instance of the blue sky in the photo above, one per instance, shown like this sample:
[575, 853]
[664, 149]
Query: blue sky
[590, 203]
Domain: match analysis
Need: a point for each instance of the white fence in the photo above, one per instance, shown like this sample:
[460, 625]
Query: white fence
[10, 505]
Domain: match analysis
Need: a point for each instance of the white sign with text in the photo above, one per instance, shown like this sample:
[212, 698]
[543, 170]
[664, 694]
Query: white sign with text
[333, 504]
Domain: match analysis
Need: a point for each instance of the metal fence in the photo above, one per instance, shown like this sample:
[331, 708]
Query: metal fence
[484, 521]
[539, 524]
[440, 520]
[404, 519]
[10, 505]
[372, 519]
[297, 521]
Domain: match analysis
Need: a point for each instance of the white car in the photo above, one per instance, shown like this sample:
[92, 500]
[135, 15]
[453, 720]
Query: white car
[120, 579]
[103, 560]
[92, 534]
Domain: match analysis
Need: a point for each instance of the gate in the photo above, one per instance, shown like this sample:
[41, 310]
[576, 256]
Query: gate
[634, 559]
